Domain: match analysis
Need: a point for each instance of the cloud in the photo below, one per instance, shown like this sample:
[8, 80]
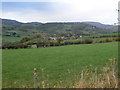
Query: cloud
[73, 10]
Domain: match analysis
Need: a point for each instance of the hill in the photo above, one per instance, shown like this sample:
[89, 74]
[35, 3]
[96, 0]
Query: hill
[18, 30]
[104, 26]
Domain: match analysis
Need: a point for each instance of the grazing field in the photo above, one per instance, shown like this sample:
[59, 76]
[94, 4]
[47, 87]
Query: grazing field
[6, 39]
[56, 65]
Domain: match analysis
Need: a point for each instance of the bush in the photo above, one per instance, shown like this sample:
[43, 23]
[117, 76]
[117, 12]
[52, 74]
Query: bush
[88, 41]
[39, 44]
[35, 36]
[108, 40]
[43, 44]
[68, 42]
[25, 39]
[117, 39]
[101, 41]
[51, 43]
[59, 40]
[16, 45]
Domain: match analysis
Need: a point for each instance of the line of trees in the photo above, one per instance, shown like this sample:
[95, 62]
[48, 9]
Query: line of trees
[60, 42]
[104, 36]
[42, 43]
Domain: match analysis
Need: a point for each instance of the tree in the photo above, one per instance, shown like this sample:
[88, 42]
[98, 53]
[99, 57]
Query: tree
[59, 40]
[25, 39]
[14, 34]
[35, 36]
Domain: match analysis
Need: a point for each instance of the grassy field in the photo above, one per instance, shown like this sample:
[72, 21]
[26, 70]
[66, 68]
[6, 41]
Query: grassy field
[6, 39]
[56, 65]
[108, 34]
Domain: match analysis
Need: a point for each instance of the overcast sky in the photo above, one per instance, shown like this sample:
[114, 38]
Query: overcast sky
[103, 11]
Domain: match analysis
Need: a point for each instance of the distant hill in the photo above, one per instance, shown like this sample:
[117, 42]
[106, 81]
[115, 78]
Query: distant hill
[27, 29]
[104, 26]
[34, 23]
[10, 22]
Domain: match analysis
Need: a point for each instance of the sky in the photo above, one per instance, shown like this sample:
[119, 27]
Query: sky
[103, 11]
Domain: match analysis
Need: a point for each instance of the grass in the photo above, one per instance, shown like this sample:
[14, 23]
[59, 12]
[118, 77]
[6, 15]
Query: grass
[107, 79]
[6, 39]
[56, 65]
[108, 34]
[102, 39]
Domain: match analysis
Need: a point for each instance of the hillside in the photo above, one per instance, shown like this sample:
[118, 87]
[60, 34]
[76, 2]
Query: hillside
[55, 28]
[13, 29]
[103, 26]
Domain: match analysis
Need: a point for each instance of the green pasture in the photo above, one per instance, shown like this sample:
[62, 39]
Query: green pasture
[108, 34]
[6, 39]
[56, 65]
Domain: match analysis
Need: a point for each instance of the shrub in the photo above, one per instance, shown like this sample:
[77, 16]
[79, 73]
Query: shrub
[36, 36]
[39, 44]
[117, 39]
[77, 42]
[88, 41]
[15, 45]
[43, 44]
[101, 41]
[108, 40]
[66, 43]
[59, 40]
[25, 39]
[51, 43]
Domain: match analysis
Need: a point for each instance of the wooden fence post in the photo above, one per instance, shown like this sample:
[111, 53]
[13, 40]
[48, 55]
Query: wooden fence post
[35, 78]
[114, 71]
